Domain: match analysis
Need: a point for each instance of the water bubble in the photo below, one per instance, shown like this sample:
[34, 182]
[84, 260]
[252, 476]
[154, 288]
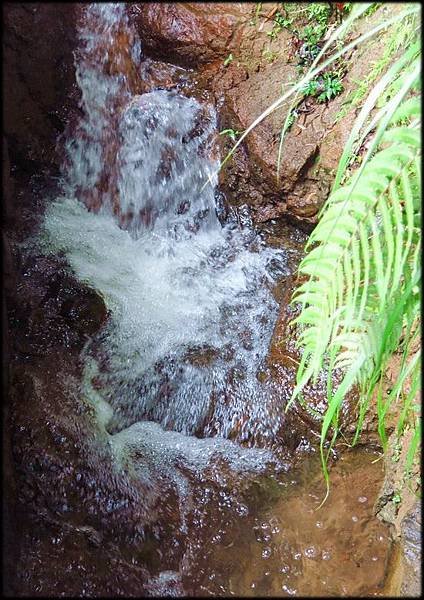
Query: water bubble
[242, 510]
[310, 552]
[362, 499]
[288, 590]
[266, 552]
[263, 537]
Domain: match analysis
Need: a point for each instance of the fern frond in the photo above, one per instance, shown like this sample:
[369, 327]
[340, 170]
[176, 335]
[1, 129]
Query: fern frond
[362, 271]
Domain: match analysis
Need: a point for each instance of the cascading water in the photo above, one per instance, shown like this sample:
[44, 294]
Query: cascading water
[191, 311]
[190, 296]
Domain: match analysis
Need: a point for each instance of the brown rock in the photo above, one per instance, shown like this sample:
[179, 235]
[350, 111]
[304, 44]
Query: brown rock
[161, 75]
[297, 191]
[398, 503]
[411, 547]
[189, 33]
[313, 145]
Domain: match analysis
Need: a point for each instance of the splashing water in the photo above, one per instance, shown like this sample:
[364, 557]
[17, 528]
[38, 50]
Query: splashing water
[107, 62]
[190, 298]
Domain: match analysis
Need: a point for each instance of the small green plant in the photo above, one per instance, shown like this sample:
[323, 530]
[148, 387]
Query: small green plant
[372, 9]
[280, 22]
[311, 34]
[291, 119]
[324, 87]
[311, 88]
[231, 133]
[228, 60]
[332, 87]
[397, 498]
[319, 12]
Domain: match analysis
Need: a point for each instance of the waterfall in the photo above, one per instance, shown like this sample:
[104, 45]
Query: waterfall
[189, 293]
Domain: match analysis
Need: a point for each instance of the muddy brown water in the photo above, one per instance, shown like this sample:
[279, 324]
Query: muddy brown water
[290, 548]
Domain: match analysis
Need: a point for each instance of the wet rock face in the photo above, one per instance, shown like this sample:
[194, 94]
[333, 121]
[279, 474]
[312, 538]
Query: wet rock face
[8, 186]
[411, 546]
[283, 359]
[38, 76]
[303, 185]
[248, 86]
[71, 509]
[404, 516]
[80, 520]
[52, 310]
[188, 33]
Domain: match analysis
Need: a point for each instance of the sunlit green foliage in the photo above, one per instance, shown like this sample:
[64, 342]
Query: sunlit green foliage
[324, 87]
[360, 301]
[400, 37]
[280, 22]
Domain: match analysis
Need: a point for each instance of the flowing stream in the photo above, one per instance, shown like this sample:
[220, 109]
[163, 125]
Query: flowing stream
[175, 375]
[189, 290]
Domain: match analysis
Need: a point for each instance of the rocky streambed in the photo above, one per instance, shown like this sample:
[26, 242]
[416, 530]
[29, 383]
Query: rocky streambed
[148, 361]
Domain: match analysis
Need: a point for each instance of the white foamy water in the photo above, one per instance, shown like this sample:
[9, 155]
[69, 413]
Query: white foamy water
[191, 308]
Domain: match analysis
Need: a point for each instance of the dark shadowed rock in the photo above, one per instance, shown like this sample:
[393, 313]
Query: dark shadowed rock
[38, 74]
